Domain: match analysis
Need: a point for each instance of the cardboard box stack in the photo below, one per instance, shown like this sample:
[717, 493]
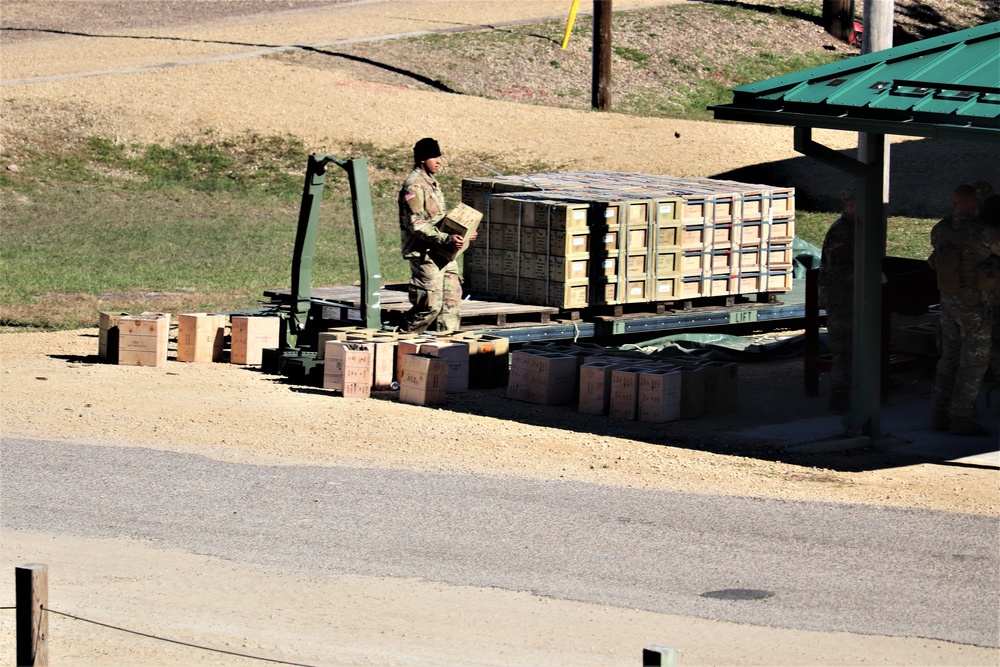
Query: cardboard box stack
[659, 398]
[423, 379]
[583, 239]
[488, 359]
[143, 339]
[627, 384]
[542, 377]
[348, 368]
[456, 353]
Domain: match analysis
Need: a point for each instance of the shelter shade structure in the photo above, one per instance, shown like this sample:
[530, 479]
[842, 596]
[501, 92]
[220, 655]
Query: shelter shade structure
[945, 87]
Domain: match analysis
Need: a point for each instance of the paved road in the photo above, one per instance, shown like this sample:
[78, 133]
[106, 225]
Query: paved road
[871, 570]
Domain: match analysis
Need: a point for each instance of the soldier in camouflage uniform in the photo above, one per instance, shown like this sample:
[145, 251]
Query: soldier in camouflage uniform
[964, 246]
[836, 296]
[989, 211]
[435, 286]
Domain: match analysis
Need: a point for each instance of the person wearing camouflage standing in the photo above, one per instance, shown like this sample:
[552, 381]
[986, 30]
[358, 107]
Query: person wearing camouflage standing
[435, 287]
[964, 247]
[836, 296]
[989, 211]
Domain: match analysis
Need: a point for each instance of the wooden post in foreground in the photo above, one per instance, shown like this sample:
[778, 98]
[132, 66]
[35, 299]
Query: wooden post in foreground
[659, 656]
[31, 593]
[600, 87]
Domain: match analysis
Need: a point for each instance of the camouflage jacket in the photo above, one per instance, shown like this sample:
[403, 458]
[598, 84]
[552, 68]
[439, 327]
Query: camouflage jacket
[964, 257]
[836, 264]
[421, 208]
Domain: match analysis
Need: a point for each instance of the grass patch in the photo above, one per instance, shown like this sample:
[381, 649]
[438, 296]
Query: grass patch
[905, 236]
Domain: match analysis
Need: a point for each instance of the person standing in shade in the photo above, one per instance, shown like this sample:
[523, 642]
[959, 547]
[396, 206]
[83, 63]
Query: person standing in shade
[435, 286]
[836, 296]
[989, 212]
[964, 245]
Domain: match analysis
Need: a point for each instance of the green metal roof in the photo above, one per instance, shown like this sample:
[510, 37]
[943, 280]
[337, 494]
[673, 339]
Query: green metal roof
[947, 87]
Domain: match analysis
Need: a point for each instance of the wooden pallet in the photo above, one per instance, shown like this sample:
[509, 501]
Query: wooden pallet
[395, 303]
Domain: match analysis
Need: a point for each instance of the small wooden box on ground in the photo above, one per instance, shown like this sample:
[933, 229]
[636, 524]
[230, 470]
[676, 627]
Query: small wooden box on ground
[143, 339]
[624, 403]
[107, 346]
[348, 368]
[383, 359]
[488, 359]
[423, 380]
[250, 335]
[659, 395]
[720, 388]
[201, 337]
[409, 346]
[692, 389]
[543, 378]
[456, 353]
[595, 386]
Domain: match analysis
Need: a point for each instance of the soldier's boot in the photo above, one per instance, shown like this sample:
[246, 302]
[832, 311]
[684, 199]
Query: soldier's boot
[940, 421]
[840, 402]
[966, 426]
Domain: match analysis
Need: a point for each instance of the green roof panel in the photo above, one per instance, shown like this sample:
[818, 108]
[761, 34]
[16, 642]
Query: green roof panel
[944, 86]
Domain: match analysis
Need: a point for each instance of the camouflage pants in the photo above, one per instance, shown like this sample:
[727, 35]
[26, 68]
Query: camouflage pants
[436, 296]
[966, 339]
[995, 354]
[840, 332]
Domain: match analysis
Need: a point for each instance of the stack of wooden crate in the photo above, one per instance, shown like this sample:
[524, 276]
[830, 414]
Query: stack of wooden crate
[595, 238]
[467, 359]
[622, 384]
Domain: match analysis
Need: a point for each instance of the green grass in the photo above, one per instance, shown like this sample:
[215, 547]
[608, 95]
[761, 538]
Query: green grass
[905, 236]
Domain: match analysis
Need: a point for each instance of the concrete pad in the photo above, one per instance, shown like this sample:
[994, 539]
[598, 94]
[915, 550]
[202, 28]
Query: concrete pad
[906, 423]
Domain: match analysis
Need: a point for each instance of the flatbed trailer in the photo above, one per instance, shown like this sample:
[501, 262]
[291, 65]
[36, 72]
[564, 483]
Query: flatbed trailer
[521, 323]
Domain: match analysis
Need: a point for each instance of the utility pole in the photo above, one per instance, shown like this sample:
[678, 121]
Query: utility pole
[600, 95]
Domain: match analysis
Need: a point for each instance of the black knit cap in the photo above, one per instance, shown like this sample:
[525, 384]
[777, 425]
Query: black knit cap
[425, 149]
